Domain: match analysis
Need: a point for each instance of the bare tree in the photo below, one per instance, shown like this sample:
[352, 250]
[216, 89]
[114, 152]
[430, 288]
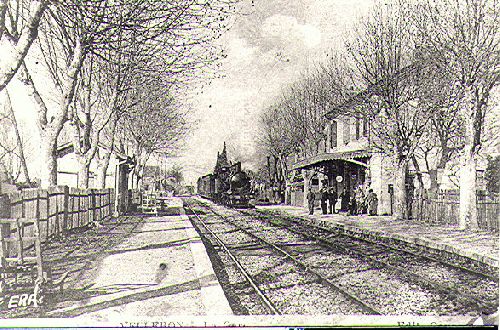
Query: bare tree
[463, 34]
[19, 23]
[19, 142]
[443, 139]
[388, 61]
[155, 125]
[174, 38]
[9, 156]
[296, 123]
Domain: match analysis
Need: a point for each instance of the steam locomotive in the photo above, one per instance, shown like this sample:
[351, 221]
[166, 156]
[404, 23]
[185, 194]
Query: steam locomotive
[227, 185]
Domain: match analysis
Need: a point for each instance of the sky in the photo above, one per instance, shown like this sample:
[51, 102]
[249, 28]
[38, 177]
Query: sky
[270, 45]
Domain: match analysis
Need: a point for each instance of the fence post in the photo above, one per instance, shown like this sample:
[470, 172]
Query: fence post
[53, 192]
[65, 208]
[78, 194]
[47, 195]
[4, 232]
[5, 206]
[99, 208]
[37, 210]
[110, 203]
[92, 205]
[23, 202]
[20, 243]
[4, 250]
[38, 248]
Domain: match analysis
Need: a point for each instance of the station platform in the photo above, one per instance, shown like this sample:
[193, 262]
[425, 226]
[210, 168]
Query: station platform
[482, 247]
[161, 270]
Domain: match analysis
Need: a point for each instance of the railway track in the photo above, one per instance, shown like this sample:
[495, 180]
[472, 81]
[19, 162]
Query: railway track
[446, 289]
[347, 303]
[425, 271]
[407, 250]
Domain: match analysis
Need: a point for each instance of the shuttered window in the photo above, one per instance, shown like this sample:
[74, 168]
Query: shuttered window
[358, 124]
[333, 134]
[347, 130]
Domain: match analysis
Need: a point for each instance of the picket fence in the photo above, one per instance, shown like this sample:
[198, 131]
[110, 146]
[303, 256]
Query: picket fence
[443, 209]
[57, 209]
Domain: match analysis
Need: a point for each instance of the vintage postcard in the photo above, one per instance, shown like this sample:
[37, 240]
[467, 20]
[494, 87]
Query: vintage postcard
[249, 163]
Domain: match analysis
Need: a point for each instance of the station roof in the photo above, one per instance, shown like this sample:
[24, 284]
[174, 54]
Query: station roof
[320, 159]
[373, 89]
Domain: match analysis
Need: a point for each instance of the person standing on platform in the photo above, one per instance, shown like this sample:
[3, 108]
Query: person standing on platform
[324, 199]
[332, 199]
[344, 198]
[372, 202]
[310, 200]
[360, 200]
[352, 206]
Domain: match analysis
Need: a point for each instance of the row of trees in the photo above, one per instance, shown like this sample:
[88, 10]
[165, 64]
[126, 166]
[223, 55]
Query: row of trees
[295, 124]
[106, 75]
[422, 73]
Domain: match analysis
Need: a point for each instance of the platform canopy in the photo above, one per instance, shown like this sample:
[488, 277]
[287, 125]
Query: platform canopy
[322, 158]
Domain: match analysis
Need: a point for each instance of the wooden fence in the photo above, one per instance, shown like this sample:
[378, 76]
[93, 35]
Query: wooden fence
[31, 217]
[443, 209]
[58, 209]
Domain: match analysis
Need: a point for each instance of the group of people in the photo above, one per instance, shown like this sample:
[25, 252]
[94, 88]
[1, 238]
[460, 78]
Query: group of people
[358, 203]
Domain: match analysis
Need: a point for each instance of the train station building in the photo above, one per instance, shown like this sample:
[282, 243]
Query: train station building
[345, 160]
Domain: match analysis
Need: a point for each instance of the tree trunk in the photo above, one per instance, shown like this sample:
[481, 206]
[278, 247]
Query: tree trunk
[16, 52]
[137, 176]
[468, 175]
[19, 141]
[83, 174]
[433, 179]
[468, 204]
[400, 202]
[103, 169]
[49, 171]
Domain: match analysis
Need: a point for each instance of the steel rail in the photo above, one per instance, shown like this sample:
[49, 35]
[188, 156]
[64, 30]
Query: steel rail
[259, 292]
[323, 279]
[332, 245]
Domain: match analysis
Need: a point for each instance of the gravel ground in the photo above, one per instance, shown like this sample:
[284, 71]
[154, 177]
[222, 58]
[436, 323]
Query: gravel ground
[484, 290]
[311, 299]
[441, 273]
[388, 295]
[387, 291]
[333, 266]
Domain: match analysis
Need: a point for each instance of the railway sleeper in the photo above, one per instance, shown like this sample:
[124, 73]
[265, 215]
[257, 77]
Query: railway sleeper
[280, 286]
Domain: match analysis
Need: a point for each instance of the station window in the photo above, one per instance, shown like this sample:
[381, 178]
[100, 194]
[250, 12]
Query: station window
[358, 124]
[347, 130]
[365, 126]
[333, 134]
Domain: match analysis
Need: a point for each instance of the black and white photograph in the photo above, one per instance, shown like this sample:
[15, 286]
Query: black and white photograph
[249, 163]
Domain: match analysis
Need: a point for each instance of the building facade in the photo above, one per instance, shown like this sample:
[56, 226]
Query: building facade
[344, 161]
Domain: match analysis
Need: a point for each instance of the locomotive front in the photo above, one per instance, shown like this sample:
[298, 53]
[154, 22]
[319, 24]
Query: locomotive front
[240, 190]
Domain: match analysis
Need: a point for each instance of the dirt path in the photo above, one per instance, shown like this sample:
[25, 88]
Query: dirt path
[159, 268]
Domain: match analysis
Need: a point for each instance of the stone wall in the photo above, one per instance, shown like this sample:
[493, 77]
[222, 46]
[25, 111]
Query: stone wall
[382, 175]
